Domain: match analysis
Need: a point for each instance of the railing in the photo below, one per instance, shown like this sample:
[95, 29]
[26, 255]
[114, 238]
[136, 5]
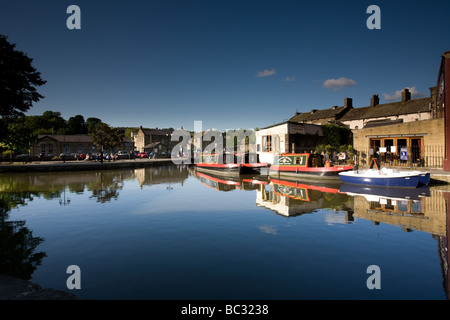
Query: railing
[430, 156]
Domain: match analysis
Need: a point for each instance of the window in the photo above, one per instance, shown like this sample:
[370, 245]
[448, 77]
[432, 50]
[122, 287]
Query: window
[67, 148]
[79, 149]
[42, 148]
[50, 148]
[269, 144]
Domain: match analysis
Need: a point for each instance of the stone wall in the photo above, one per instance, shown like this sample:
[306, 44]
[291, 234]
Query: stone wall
[432, 132]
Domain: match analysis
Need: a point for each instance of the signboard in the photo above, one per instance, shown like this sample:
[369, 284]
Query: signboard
[403, 153]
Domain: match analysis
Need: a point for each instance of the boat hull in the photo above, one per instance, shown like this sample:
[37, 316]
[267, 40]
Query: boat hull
[234, 168]
[424, 178]
[221, 169]
[401, 181]
[322, 172]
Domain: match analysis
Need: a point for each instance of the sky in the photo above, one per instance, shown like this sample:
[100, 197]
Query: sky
[228, 63]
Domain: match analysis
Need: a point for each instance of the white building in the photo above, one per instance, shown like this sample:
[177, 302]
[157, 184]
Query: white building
[286, 137]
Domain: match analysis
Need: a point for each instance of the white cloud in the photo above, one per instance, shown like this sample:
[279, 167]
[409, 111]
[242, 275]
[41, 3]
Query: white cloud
[289, 79]
[337, 84]
[266, 73]
[398, 94]
[268, 229]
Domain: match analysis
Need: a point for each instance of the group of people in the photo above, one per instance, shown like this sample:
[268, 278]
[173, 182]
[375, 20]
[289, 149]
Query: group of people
[336, 158]
[106, 156]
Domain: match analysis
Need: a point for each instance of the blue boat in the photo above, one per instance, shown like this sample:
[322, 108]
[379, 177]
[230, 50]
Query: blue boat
[384, 178]
[424, 178]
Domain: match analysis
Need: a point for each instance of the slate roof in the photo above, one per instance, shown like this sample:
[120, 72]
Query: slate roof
[72, 138]
[156, 132]
[334, 112]
[69, 138]
[388, 109]
[379, 111]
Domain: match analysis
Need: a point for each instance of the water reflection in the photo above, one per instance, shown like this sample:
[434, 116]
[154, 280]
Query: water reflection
[293, 198]
[424, 209]
[17, 243]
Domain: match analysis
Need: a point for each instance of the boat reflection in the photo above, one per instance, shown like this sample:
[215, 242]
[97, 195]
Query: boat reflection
[421, 209]
[374, 193]
[241, 182]
[293, 198]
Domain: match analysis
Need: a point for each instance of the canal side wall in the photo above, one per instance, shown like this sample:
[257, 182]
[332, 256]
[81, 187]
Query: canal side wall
[52, 166]
[438, 176]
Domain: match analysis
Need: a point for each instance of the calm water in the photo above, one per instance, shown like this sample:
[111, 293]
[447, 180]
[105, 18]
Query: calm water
[170, 233]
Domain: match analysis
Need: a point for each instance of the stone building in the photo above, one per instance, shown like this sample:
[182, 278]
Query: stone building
[414, 143]
[402, 133]
[324, 116]
[54, 145]
[153, 140]
[376, 114]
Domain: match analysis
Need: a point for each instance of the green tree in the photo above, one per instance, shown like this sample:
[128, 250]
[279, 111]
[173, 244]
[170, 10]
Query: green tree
[336, 135]
[105, 138]
[53, 122]
[76, 125]
[18, 81]
[91, 123]
[18, 137]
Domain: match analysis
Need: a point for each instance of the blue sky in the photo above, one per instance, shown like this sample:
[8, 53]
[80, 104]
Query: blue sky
[230, 64]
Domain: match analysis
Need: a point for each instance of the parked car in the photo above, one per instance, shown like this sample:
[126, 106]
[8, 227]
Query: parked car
[143, 155]
[123, 155]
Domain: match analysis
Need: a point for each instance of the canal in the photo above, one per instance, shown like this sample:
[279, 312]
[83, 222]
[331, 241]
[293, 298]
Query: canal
[169, 232]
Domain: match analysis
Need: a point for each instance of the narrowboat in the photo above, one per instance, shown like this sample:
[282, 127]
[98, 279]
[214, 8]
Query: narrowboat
[305, 165]
[230, 164]
[221, 183]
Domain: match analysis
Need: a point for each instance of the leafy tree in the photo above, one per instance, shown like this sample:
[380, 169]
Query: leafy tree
[18, 137]
[105, 137]
[77, 125]
[336, 135]
[18, 81]
[53, 122]
[91, 123]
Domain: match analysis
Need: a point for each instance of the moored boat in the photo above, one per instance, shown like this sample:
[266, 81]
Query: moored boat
[305, 165]
[231, 164]
[386, 177]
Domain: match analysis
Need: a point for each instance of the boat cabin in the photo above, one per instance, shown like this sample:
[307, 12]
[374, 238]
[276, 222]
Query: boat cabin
[310, 160]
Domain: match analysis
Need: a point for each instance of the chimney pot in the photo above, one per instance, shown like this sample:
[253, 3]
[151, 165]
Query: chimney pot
[348, 102]
[406, 95]
[374, 101]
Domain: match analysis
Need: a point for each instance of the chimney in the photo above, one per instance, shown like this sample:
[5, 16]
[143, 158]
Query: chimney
[406, 95]
[374, 101]
[348, 102]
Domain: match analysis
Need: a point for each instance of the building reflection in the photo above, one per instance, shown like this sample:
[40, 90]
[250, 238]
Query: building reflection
[172, 174]
[421, 209]
[294, 198]
[226, 184]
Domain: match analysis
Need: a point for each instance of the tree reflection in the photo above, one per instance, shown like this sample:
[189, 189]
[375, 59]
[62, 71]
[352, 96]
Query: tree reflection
[17, 243]
[106, 187]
